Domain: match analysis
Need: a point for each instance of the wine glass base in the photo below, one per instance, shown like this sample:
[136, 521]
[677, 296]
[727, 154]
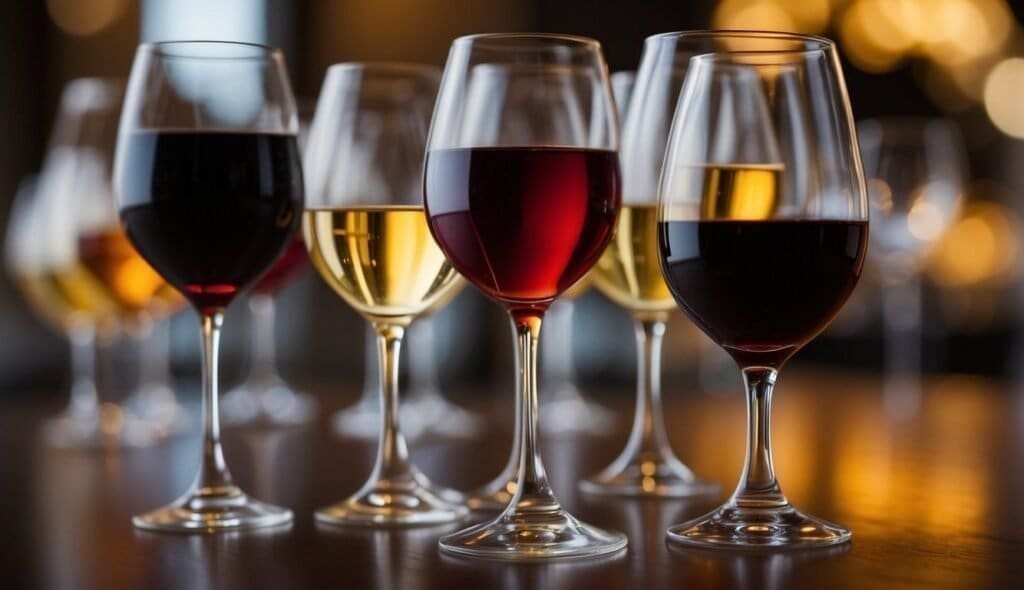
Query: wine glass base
[570, 414]
[111, 427]
[662, 478]
[225, 510]
[430, 414]
[784, 527]
[406, 504]
[533, 536]
[273, 403]
[493, 497]
[361, 420]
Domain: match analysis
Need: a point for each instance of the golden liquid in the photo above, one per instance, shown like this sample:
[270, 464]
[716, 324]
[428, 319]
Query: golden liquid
[67, 297]
[740, 192]
[129, 281]
[629, 271]
[381, 260]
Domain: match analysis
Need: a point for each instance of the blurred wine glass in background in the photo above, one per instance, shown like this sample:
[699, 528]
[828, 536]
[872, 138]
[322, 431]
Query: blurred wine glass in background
[915, 169]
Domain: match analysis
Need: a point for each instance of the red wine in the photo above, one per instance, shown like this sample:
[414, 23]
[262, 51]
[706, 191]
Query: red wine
[522, 223]
[210, 211]
[762, 289]
[288, 267]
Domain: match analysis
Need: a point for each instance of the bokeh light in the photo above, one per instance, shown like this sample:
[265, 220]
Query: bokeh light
[980, 249]
[85, 17]
[1004, 87]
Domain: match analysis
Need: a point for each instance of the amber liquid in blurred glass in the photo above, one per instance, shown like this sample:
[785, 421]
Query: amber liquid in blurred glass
[67, 296]
[741, 192]
[629, 271]
[381, 260]
[130, 283]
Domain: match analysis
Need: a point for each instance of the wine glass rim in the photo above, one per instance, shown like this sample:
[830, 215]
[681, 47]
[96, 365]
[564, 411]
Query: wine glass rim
[165, 49]
[576, 40]
[397, 67]
[722, 57]
[825, 42]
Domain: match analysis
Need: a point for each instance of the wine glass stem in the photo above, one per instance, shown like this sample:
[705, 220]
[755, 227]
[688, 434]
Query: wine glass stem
[533, 493]
[213, 470]
[758, 487]
[392, 453]
[84, 396]
[264, 352]
[648, 436]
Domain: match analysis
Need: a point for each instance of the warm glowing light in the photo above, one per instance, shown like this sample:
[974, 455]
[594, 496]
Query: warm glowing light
[925, 220]
[1003, 88]
[765, 15]
[85, 17]
[979, 249]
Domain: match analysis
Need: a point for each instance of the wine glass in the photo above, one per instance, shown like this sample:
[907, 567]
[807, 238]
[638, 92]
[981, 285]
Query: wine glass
[368, 239]
[209, 186]
[916, 169]
[623, 83]
[762, 231]
[522, 202]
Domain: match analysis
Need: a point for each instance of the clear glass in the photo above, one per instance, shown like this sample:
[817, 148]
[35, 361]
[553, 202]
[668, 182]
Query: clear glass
[362, 419]
[793, 184]
[517, 93]
[915, 169]
[86, 278]
[364, 162]
[207, 87]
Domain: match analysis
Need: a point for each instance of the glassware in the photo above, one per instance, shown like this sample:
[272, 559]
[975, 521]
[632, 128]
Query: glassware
[762, 228]
[368, 239]
[209, 186]
[361, 419]
[623, 83]
[916, 169]
[522, 199]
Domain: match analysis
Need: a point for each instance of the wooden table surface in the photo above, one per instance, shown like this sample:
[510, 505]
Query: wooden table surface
[935, 499]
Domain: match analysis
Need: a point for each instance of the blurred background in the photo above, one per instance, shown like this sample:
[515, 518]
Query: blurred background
[946, 277]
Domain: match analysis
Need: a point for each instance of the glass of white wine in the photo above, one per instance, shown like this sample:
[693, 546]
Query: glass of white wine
[367, 236]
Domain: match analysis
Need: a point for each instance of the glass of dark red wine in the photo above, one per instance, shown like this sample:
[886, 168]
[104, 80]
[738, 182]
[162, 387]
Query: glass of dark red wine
[762, 232]
[523, 201]
[209, 188]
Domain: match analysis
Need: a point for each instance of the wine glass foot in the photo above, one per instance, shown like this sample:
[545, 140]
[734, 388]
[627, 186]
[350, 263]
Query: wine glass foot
[781, 527]
[111, 426]
[640, 477]
[430, 414]
[533, 536]
[212, 511]
[570, 414]
[361, 420]
[396, 504]
[273, 403]
[493, 497]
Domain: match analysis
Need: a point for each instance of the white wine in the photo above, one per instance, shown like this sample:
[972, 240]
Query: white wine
[381, 260]
[67, 297]
[629, 272]
[739, 192]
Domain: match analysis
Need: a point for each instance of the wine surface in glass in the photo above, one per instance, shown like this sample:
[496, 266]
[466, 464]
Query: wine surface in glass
[522, 223]
[762, 289]
[629, 270]
[380, 259]
[210, 211]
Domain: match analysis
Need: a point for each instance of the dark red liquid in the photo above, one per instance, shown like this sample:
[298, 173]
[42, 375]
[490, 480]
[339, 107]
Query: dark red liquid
[210, 211]
[522, 224]
[762, 289]
[289, 266]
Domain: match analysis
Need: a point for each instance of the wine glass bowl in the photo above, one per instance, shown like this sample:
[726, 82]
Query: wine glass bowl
[761, 242]
[522, 191]
[209, 188]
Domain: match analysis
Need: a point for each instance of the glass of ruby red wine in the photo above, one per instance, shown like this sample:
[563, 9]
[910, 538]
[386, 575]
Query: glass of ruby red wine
[523, 202]
[763, 228]
[209, 188]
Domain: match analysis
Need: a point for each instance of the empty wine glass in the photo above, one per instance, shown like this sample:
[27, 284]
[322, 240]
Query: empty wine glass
[209, 187]
[915, 169]
[762, 234]
[522, 201]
